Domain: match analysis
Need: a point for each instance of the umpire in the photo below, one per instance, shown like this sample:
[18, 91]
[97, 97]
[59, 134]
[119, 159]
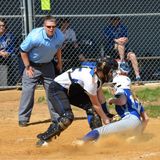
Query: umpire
[37, 52]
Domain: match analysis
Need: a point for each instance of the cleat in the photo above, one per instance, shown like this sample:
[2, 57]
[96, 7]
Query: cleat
[52, 131]
[40, 136]
[23, 123]
[138, 81]
[41, 143]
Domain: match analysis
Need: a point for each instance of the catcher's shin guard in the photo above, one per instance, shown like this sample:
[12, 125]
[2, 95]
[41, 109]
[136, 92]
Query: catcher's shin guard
[94, 119]
[57, 127]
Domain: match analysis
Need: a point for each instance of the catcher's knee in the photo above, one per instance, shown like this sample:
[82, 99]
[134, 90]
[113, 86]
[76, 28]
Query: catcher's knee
[65, 120]
[94, 119]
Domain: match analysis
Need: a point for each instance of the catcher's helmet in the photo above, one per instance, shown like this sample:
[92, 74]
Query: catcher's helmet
[107, 66]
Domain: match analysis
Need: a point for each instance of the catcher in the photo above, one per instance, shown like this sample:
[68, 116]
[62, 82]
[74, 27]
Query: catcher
[81, 87]
[133, 116]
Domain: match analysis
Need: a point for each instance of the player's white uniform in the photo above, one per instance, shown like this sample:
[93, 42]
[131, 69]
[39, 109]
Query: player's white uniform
[83, 76]
[73, 87]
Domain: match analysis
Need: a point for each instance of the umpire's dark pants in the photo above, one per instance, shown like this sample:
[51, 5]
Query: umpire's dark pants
[45, 73]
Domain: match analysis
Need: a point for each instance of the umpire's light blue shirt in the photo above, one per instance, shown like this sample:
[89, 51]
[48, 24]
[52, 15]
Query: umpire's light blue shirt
[41, 48]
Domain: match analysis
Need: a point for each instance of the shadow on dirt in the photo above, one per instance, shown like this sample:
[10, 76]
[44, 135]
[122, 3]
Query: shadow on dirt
[49, 120]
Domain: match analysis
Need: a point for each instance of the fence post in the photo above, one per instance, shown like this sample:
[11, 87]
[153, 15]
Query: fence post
[30, 14]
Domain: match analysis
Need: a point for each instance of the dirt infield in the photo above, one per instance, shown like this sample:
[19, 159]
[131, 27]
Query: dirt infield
[19, 143]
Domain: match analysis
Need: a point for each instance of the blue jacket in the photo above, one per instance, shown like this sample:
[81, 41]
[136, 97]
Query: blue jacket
[7, 43]
[113, 32]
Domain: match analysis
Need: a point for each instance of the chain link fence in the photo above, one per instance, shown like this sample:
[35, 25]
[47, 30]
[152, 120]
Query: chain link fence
[88, 18]
[12, 33]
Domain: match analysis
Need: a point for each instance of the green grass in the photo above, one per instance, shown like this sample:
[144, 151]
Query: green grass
[150, 95]
[153, 111]
[107, 94]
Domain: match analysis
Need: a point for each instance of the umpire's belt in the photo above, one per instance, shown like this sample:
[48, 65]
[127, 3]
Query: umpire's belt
[38, 64]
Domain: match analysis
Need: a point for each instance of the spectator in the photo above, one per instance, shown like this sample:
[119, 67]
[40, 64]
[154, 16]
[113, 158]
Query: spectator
[7, 49]
[6, 40]
[37, 52]
[70, 46]
[69, 33]
[116, 40]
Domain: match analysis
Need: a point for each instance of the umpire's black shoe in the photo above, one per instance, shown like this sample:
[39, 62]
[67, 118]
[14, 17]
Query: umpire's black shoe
[23, 123]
